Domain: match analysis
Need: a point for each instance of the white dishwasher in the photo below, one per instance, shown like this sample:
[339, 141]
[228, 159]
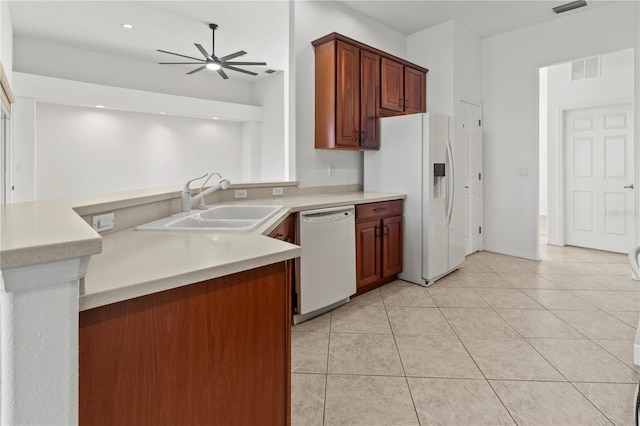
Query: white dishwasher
[327, 263]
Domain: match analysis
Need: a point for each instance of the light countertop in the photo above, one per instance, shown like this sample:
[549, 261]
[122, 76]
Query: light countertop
[131, 263]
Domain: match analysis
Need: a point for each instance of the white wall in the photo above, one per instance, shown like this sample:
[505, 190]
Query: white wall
[467, 64]
[56, 60]
[542, 132]
[23, 177]
[315, 19]
[511, 63]
[269, 93]
[433, 49]
[614, 85]
[6, 40]
[86, 151]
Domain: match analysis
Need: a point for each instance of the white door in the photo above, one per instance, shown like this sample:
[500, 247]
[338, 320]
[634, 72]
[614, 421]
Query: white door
[470, 134]
[599, 178]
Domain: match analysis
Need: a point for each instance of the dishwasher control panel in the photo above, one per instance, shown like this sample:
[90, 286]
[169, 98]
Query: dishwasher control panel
[327, 217]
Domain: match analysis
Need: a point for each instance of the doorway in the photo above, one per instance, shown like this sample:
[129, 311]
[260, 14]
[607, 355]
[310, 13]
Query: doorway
[587, 153]
[470, 129]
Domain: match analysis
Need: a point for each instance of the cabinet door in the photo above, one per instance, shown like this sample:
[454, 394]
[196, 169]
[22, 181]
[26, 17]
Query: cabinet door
[348, 95]
[414, 91]
[392, 96]
[369, 99]
[391, 246]
[367, 252]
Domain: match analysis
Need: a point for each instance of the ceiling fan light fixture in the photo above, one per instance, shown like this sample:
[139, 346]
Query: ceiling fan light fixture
[213, 62]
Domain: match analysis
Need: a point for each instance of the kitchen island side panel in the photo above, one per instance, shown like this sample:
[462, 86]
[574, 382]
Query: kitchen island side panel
[214, 352]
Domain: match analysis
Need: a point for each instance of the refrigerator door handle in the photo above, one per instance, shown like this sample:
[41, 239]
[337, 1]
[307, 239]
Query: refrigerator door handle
[451, 190]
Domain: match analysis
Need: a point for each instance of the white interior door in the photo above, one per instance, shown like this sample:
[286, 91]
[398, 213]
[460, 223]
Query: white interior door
[599, 196]
[470, 131]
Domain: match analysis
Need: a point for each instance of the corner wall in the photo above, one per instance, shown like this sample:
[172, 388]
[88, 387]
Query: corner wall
[314, 19]
[511, 63]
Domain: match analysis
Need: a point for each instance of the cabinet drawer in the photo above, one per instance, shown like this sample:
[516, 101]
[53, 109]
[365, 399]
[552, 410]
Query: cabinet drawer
[378, 210]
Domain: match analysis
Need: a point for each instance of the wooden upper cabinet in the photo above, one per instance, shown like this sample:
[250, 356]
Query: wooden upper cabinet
[349, 85]
[414, 91]
[392, 97]
[403, 88]
[369, 100]
[348, 95]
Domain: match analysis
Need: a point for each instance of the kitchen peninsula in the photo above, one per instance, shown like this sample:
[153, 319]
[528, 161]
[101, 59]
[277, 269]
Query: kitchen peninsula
[173, 288]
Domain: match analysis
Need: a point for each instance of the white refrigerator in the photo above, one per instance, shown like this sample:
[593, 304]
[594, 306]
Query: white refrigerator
[418, 157]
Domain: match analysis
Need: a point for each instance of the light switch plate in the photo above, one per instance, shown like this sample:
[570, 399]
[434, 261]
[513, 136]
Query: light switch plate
[240, 193]
[103, 222]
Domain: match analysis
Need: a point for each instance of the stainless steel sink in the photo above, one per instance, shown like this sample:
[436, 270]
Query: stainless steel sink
[224, 218]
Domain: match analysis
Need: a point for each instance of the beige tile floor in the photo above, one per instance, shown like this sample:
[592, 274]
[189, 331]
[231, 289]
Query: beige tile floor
[501, 341]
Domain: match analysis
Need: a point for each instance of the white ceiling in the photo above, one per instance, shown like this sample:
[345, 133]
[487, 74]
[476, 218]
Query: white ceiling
[168, 25]
[258, 27]
[485, 18]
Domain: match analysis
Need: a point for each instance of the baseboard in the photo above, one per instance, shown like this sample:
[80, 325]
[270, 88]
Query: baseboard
[510, 252]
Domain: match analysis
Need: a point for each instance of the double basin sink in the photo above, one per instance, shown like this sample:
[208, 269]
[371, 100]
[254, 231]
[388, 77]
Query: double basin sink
[224, 218]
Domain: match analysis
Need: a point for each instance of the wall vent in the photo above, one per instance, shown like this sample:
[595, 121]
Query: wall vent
[583, 69]
[569, 6]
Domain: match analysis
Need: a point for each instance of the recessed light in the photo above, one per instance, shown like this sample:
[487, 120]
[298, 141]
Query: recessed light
[215, 118]
[162, 112]
[100, 106]
[127, 26]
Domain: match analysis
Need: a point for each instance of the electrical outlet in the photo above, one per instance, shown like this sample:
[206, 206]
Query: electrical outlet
[103, 222]
[277, 191]
[240, 193]
[332, 169]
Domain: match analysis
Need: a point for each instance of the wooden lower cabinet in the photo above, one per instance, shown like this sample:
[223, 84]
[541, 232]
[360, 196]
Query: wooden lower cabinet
[378, 244]
[215, 352]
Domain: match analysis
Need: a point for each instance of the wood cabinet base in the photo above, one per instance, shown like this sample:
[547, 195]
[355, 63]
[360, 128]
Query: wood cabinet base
[373, 286]
[214, 352]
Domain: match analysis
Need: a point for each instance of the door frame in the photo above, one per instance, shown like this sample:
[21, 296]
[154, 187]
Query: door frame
[560, 170]
[457, 114]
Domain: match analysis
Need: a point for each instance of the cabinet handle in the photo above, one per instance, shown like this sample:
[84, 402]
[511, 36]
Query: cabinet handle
[279, 237]
[377, 231]
[406, 103]
[380, 209]
[401, 101]
[363, 135]
[386, 230]
[355, 135]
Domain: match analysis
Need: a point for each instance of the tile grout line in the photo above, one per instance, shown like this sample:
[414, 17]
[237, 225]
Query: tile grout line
[326, 374]
[474, 361]
[406, 380]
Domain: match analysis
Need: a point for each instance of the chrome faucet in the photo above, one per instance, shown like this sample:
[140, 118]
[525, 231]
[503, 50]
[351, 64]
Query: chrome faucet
[187, 201]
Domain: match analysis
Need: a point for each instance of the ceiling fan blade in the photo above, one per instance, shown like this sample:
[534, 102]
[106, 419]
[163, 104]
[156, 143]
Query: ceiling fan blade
[229, 67]
[204, 52]
[177, 54]
[223, 74]
[233, 55]
[181, 63]
[246, 63]
[197, 69]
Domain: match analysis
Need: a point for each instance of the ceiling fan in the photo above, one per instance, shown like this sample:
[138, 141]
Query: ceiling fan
[213, 62]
